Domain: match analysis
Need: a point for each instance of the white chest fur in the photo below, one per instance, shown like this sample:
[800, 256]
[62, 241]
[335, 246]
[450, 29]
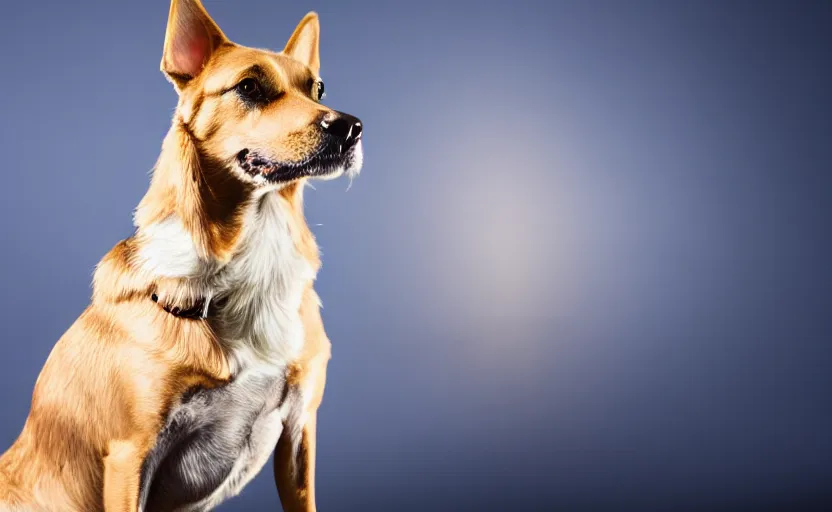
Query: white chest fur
[259, 325]
[262, 285]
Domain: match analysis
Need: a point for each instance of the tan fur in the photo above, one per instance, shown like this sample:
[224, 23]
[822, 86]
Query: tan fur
[109, 382]
[294, 471]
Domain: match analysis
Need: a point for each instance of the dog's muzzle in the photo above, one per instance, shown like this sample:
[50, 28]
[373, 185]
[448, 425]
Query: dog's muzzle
[340, 152]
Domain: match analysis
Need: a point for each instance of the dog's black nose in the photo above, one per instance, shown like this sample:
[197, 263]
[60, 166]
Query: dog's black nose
[344, 126]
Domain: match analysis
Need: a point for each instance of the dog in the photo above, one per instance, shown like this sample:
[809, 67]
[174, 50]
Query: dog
[202, 351]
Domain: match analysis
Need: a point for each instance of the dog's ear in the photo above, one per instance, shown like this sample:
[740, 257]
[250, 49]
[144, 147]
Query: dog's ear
[190, 39]
[303, 45]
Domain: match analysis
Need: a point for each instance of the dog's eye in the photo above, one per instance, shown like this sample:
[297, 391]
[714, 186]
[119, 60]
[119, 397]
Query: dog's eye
[320, 93]
[250, 89]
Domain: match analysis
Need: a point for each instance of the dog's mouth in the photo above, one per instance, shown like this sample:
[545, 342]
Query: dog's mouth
[331, 160]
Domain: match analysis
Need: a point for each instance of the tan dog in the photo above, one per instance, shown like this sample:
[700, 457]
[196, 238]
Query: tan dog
[203, 350]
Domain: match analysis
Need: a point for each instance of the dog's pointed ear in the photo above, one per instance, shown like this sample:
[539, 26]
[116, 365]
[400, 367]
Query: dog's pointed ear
[304, 43]
[190, 39]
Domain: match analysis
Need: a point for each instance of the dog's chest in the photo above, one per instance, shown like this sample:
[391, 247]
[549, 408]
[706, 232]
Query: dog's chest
[262, 288]
[216, 440]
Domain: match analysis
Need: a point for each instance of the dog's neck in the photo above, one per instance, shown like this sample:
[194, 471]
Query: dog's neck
[210, 202]
[202, 194]
[201, 232]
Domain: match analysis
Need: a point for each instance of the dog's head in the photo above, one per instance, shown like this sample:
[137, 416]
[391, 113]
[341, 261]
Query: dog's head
[256, 112]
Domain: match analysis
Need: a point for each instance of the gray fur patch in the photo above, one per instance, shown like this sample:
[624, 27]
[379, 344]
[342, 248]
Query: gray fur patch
[212, 440]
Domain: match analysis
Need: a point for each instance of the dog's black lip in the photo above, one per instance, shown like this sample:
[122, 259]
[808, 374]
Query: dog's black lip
[255, 163]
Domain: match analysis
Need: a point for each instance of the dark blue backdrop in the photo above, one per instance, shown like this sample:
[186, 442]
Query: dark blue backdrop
[587, 263]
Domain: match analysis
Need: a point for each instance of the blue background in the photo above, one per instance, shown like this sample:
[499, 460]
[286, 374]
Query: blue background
[586, 266]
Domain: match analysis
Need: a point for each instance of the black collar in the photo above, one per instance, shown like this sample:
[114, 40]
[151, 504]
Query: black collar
[202, 308]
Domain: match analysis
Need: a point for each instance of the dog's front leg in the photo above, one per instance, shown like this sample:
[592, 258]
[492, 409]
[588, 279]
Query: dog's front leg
[294, 469]
[122, 471]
